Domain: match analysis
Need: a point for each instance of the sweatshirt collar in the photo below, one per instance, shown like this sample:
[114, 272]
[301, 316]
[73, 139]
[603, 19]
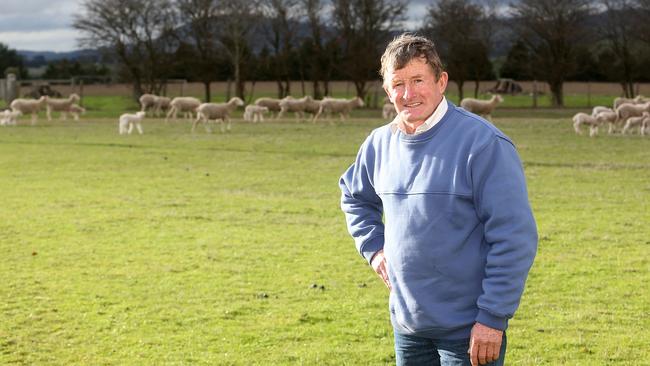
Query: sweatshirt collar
[434, 118]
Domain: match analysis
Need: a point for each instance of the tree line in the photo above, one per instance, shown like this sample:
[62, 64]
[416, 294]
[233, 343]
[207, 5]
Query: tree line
[317, 41]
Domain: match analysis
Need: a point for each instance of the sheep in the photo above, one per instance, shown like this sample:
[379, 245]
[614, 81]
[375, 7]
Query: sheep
[255, 113]
[586, 119]
[76, 110]
[599, 109]
[31, 106]
[627, 110]
[341, 106]
[312, 106]
[154, 102]
[481, 107]
[213, 111]
[645, 127]
[272, 104]
[182, 104]
[297, 106]
[60, 105]
[8, 117]
[636, 100]
[608, 116]
[130, 120]
[388, 111]
[640, 121]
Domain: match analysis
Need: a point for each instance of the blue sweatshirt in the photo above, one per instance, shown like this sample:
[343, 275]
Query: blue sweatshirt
[450, 209]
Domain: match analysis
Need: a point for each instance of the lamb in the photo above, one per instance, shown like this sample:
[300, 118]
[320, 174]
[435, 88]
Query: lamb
[627, 110]
[608, 116]
[255, 113]
[481, 107]
[634, 121]
[60, 105]
[599, 109]
[296, 106]
[388, 112]
[8, 117]
[272, 104]
[183, 104]
[341, 106]
[130, 120]
[216, 111]
[31, 106]
[154, 102]
[162, 104]
[586, 119]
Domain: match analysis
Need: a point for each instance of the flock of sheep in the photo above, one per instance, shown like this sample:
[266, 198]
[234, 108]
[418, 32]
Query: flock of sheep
[626, 112]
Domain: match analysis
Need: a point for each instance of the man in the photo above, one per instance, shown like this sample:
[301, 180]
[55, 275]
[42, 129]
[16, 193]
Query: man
[437, 204]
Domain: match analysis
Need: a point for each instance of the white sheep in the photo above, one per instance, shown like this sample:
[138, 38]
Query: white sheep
[255, 113]
[312, 106]
[388, 111]
[586, 119]
[154, 103]
[637, 121]
[272, 104]
[60, 105]
[607, 116]
[341, 106]
[29, 106]
[182, 104]
[297, 106]
[9, 117]
[216, 111]
[130, 120]
[162, 104]
[599, 109]
[636, 100]
[645, 128]
[627, 110]
[481, 107]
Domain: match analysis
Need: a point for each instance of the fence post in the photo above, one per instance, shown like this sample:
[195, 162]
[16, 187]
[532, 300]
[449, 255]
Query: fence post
[534, 93]
[589, 94]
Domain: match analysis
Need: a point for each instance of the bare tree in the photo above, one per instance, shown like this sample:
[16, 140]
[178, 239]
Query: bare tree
[137, 31]
[321, 66]
[459, 29]
[364, 28]
[281, 16]
[198, 23]
[237, 22]
[552, 30]
[618, 30]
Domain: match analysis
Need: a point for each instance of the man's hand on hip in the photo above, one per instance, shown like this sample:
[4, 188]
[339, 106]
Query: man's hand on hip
[484, 344]
[378, 263]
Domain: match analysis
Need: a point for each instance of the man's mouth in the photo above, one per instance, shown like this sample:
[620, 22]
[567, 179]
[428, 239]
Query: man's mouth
[413, 105]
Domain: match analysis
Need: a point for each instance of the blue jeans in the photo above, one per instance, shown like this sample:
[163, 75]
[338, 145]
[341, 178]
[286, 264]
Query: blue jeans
[418, 351]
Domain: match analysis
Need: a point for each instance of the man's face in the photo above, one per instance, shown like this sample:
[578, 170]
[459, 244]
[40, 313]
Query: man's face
[414, 91]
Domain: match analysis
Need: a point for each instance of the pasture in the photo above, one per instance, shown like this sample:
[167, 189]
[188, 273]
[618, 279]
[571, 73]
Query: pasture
[230, 249]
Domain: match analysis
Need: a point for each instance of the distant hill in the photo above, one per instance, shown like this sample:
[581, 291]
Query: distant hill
[40, 58]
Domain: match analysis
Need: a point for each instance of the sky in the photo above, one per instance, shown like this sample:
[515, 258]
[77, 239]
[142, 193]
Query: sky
[46, 25]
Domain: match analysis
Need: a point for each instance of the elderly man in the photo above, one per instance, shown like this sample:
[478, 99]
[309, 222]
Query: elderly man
[436, 202]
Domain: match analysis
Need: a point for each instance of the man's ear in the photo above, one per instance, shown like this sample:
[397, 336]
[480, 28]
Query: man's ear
[388, 94]
[442, 82]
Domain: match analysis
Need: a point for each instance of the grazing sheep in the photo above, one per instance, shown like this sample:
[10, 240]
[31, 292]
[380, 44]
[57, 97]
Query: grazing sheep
[75, 110]
[182, 104]
[586, 119]
[130, 120]
[627, 110]
[154, 103]
[481, 107]
[297, 106]
[637, 121]
[312, 106]
[216, 111]
[162, 104]
[29, 106]
[388, 112]
[341, 106]
[272, 104]
[255, 113]
[8, 117]
[636, 100]
[608, 116]
[60, 105]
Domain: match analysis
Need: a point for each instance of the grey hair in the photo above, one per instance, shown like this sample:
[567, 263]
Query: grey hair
[406, 47]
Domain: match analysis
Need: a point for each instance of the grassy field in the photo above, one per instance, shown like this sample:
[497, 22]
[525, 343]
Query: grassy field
[230, 249]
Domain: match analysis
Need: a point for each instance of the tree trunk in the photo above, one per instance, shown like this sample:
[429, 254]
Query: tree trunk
[476, 85]
[317, 92]
[460, 84]
[206, 86]
[557, 99]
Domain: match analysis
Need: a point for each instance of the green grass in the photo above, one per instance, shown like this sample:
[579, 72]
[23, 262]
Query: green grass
[172, 248]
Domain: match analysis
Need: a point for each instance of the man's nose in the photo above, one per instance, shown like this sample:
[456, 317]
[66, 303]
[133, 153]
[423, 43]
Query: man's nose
[408, 92]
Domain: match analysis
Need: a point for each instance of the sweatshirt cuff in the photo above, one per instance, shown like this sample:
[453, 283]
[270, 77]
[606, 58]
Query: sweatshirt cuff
[486, 318]
[371, 247]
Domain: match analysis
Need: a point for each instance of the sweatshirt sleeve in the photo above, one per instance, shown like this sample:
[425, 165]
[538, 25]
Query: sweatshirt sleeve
[362, 206]
[501, 201]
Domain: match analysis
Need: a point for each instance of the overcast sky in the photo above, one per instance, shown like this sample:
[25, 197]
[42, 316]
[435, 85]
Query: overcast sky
[46, 25]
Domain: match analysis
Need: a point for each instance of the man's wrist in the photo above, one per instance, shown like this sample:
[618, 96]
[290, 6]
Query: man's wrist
[490, 320]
